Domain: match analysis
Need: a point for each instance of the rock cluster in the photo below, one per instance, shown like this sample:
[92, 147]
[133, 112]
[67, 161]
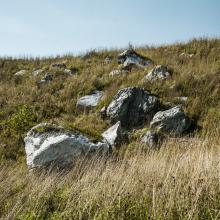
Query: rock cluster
[130, 108]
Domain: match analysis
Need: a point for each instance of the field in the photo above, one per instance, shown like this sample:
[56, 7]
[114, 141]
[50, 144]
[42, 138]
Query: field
[179, 181]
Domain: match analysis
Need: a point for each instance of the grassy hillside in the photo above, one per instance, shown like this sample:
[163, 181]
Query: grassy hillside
[179, 181]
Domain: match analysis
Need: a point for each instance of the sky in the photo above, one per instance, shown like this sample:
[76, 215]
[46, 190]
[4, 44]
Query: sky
[56, 27]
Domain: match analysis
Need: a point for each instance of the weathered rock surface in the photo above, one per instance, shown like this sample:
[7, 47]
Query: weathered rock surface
[115, 136]
[47, 144]
[130, 58]
[160, 72]
[132, 106]
[21, 73]
[173, 121]
[152, 139]
[89, 101]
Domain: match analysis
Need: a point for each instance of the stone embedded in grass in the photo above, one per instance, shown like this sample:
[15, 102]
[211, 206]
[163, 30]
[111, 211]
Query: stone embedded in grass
[172, 121]
[50, 145]
[58, 65]
[132, 106]
[47, 78]
[152, 138]
[70, 72]
[129, 58]
[89, 101]
[37, 72]
[186, 55]
[108, 59]
[115, 136]
[117, 72]
[21, 73]
[160, 72]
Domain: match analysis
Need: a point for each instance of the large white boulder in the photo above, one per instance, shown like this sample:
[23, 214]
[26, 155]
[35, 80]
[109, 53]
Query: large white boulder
[47, 144]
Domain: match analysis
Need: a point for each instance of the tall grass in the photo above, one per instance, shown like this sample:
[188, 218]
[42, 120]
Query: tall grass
[180, 181]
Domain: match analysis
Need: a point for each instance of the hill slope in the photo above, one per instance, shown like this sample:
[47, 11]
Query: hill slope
[179, 181]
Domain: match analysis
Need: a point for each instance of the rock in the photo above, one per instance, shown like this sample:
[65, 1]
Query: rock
[21, 73]
[59, 65]
[131, 63]
[108, 59]
[114, 136]
[186, 55]
[117, 72]
[173, 121]
[90, 101]
[158, 73]
[47, 77]
[47, 144]
[182, 98]
[152, 139]
[70, 72]
[132, 106]
[37, 72]
[130, 58]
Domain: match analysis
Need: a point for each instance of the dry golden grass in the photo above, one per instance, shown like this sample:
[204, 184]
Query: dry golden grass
[180, 181]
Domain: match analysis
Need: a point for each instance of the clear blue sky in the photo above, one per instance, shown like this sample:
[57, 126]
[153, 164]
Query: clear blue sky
[51, 27]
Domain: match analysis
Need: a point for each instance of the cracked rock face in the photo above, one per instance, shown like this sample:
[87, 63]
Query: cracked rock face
[89, 101]
[47, 144]
[158, 73]
[173, 121]
[132, 106]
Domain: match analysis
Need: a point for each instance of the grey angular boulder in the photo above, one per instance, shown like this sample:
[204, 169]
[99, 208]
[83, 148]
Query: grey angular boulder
[173, 121]
[47, 144]
[115, 136]
[152, 139]
[89, 101]
[131, 57]
[132, 106]
[160, 72]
